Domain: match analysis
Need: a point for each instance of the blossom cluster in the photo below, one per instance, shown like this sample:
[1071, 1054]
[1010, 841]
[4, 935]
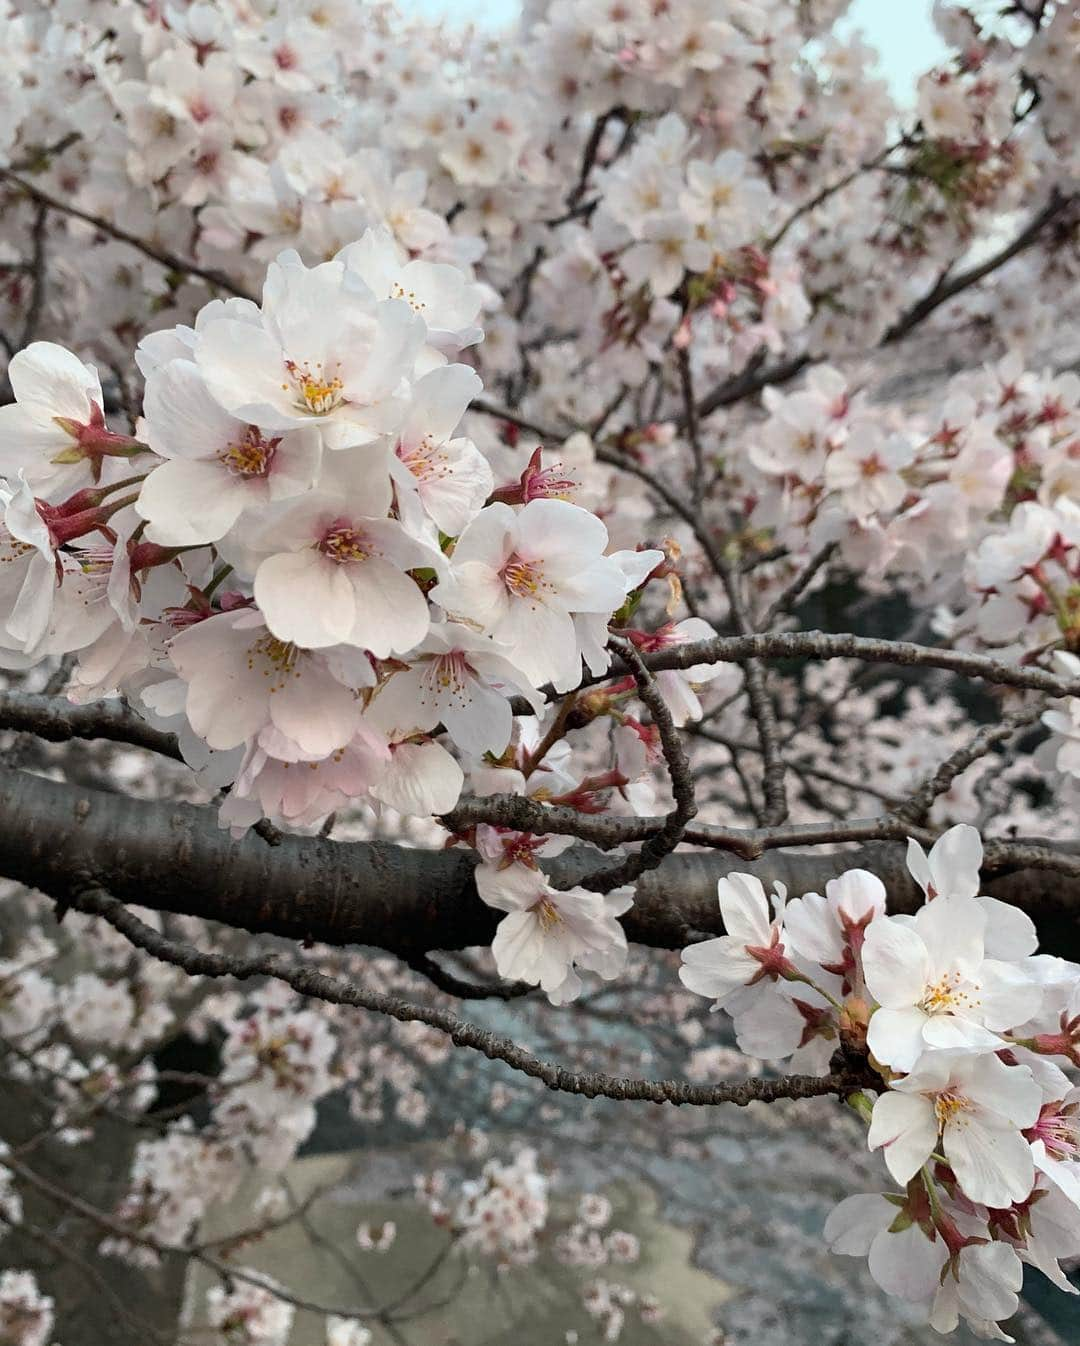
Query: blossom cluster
[968, 1033]
[500, 1213]
[360, 545]
[311, 572]
[26, 1315]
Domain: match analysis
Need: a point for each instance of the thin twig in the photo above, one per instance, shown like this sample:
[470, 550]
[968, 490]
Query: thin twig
[797, 586]
[37, 277]
[170, 260]
[307, 981]
[943, 291]
[665, 840]
[989, 736]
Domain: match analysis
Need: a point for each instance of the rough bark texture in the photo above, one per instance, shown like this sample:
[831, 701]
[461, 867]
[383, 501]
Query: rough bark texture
[63, 838]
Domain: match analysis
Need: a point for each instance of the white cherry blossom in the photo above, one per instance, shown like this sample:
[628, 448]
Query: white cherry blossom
[935, 987]
[978, 1108]
[322, 351]
[548, 934]
[521, 577]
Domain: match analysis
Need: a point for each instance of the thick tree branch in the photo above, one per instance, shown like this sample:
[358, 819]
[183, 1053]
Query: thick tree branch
[170, 857]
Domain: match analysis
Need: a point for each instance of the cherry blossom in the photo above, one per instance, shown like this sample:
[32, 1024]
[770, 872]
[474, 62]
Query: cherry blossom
[980, 1108]
[54, 433]
[217, 465]
[335, 571]
[306, 695]
[752, 951]
[452, 679]
[520, 578]
[288, 366]
[548, 934]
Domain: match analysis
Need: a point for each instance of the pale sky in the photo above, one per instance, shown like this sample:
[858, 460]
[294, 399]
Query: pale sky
[903, 34]
[900, 29]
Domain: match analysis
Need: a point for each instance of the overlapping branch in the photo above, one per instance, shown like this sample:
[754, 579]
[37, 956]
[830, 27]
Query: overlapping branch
[169, 260]
[169, 857]
[308, 981]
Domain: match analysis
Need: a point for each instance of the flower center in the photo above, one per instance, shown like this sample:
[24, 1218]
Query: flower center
[251, 455]
[11, 548]
[547, 914]
[343, 544]
[316, 389]
[398, 291]
[424, 460]
[95, 565]
[524, 579]
[950, 994]
[948, 1106]
[447, 677]
[1059, 1131]
[280, 659]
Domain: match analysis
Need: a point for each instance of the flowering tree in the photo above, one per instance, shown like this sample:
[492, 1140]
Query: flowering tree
[446, 445]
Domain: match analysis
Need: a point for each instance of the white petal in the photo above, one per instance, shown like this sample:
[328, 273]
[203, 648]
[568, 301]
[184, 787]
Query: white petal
[896, 963]
[391, 613]
[811, 929]
[716, 967]
[1010, 932]
[905, 1128]
[185, 503]
[895, 1036]
[907, 1264]
[745, 908]
[305, 599]
[855, 1222]
[993, 1164]
[422, 780]
[955, 859]
[952, 1032]
[1010, 996]
[1011, 1092]
[990, 1278]
[182, 419]
[49, 381]
[315, 711]
[952, 928]
[857, 893]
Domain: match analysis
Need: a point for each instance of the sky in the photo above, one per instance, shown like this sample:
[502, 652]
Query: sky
[903, 33]
[900, 29]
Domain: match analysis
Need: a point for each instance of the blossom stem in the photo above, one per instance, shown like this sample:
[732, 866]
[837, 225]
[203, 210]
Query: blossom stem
[221, 573]
[555, 731]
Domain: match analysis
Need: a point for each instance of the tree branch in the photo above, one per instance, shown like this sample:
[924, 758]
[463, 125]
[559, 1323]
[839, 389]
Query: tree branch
[944, 290]
[308, 981]
[162, 256]
[171, 857]
[58, 721]
[665, 839]
[844, 645]
[982, 742]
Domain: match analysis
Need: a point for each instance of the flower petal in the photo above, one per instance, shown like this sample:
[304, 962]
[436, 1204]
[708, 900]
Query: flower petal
[905, 1128]
[896, 964]
[895, 1036]
[992, 1163]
